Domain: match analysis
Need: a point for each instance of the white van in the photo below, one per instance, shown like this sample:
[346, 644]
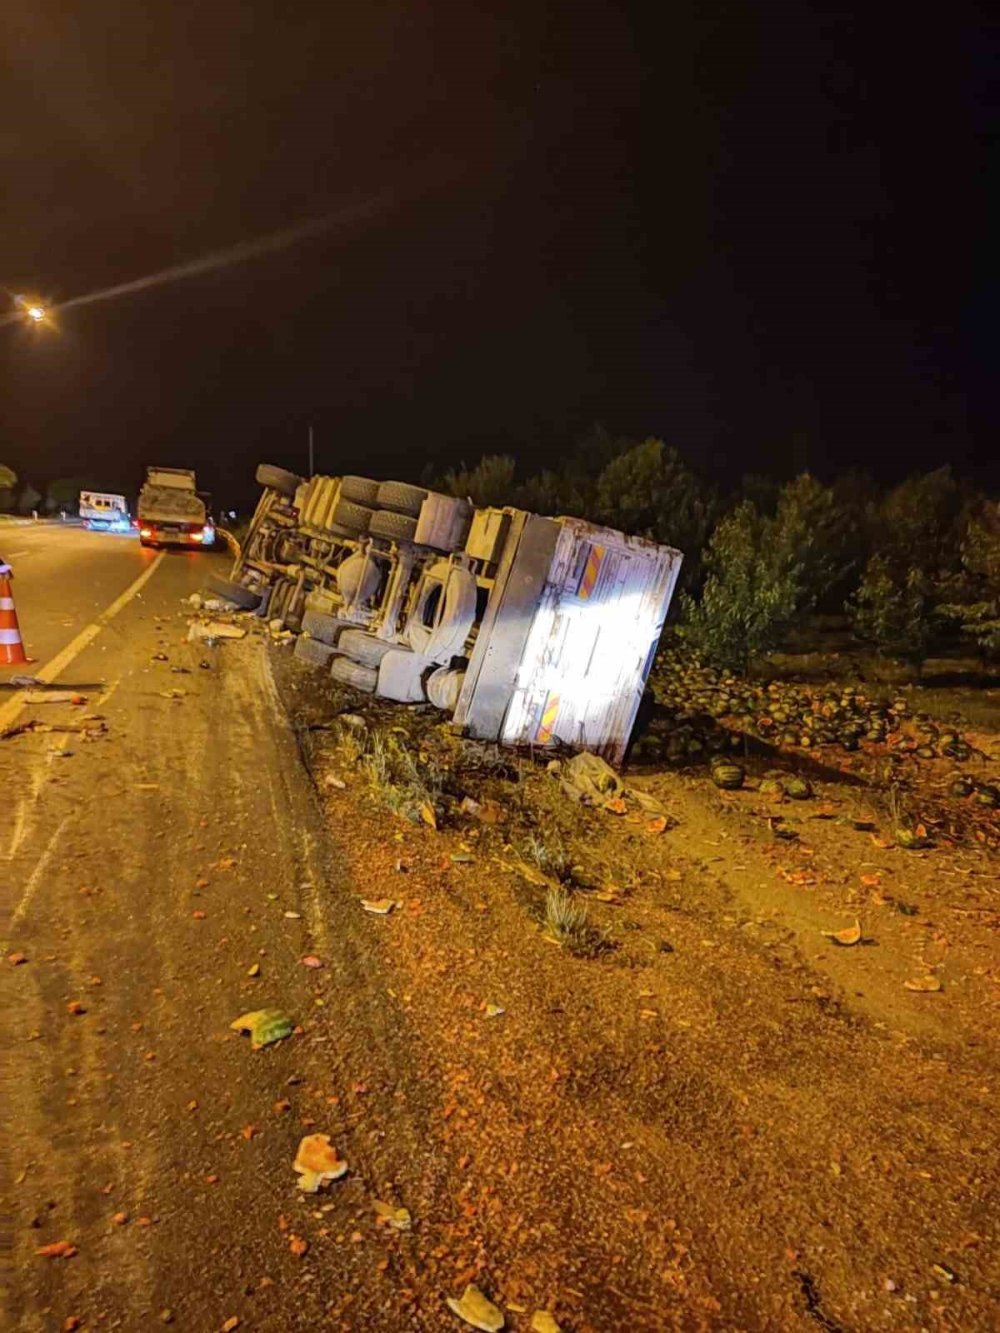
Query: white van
[104, 512]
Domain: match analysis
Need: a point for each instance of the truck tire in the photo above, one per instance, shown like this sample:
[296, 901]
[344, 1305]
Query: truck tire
[324, 628]
[364, 648]
[351, 517]
[234, 592]
[277, 479]
[346, 672]
[313, 652]
[362, 490]
[443, 688]
[392, 526]
[401, 498]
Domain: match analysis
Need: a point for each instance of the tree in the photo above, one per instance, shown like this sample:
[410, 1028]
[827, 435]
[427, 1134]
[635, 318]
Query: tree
[64, 493]
[976, 611]
[920, 523]
[822, 535]
[490, 482]
[28, 499]
[890, 610]
[8, 481]
[553, 493]
[650, 491]
[752, 589]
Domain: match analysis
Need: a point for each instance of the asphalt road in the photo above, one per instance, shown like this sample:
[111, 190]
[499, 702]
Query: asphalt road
[64, 577]
[146, 868]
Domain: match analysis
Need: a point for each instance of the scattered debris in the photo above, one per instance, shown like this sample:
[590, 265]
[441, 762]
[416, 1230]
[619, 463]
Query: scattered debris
[543, 1322]
[494, 1010]
[317, 1163]
[589, 778]
[213, 630]
[380, 906]
[476, 1310]
[264, 1026]
[59, 1249]
[16, 959]
[311, 960]
[846, 937]
[397, 1218]
[61, 697]
[927, 985]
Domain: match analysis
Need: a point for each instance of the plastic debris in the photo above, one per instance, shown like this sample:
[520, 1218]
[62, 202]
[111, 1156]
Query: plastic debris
[476, 1310]
[265, 1026]
[589, 778]
[59, 1249]
[850, 935]
[927, 985]
[317, 1163]
[397, 1218]
[494, 1010]
[213, 629]
[380, 906]
[543, 1322]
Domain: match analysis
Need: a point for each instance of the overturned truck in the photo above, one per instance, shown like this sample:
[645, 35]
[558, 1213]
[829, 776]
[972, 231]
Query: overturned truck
[529, 631]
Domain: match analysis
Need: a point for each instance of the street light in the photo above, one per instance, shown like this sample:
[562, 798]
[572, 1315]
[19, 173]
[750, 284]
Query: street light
[36, 312]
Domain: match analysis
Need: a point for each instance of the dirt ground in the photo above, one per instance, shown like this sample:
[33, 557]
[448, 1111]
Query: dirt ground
[722, 1119]
[696, 1111]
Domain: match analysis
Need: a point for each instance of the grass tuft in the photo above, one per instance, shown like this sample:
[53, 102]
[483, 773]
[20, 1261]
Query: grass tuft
[569, 925]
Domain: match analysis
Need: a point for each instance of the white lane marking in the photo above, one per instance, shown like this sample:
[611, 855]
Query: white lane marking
[49, 672]
[36, 874]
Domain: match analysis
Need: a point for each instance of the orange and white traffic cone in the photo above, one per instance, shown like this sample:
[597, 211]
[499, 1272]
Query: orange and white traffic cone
[11, 646]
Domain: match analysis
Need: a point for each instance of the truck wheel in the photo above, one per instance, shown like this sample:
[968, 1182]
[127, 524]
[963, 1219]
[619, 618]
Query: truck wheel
[234, 592]
[352, 517]
[393, 527]
[404, 499]
[363, 678]
[277, 479]
[313, 652]
[362, 490]
[322, 627]
[364, 648]
[443, 688]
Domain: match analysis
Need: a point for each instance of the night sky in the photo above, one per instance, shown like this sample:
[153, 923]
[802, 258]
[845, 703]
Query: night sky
[760, 232]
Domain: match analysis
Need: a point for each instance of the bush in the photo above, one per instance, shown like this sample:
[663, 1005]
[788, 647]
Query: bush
[752, 589]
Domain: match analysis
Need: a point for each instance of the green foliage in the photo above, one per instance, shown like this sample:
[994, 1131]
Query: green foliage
[981, 544]
[920, 524]
[819, 533]
[490, 482]
[64, 493]
[976, 612]
[650, 491]
[554, 493]
[29, 498]
[8, 478]
[890, 610]
[752, 589]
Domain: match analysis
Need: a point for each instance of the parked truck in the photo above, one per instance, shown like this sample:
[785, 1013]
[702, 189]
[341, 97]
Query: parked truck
[527, 630]
[170, 510]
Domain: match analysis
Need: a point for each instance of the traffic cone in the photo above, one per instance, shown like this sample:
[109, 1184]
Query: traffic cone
[11, 647]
